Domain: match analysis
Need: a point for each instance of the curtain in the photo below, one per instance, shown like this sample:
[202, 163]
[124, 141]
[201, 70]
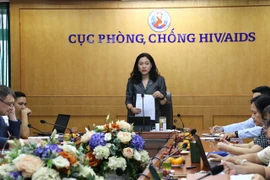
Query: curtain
[4, 44]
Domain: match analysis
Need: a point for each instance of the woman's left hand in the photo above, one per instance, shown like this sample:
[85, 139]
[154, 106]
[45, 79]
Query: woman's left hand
[158, 94]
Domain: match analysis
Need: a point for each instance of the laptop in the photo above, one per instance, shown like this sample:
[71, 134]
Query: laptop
[61, 120]
[141, 123]
[206, 163]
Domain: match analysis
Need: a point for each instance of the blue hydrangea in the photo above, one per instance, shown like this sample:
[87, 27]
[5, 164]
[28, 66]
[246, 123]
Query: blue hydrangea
[15, 175]
[97, 139]
[137, 142]
[47, 151]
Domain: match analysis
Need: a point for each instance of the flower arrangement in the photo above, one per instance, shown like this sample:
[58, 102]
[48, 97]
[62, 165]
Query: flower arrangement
[114, 148]
[45, 160]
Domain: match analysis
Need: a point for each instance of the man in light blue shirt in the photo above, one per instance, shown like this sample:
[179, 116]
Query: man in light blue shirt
[245, 129]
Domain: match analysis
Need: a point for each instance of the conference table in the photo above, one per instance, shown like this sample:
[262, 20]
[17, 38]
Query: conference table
[167, 138]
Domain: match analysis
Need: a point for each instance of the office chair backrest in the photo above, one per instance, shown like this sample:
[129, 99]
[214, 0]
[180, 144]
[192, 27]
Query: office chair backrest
[167, 110]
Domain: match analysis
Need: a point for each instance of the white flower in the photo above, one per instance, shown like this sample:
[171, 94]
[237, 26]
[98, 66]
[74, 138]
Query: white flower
[45, 173]
[5, 169]
[21, 142]
[123, 125]
[101, 128]
[60, 162]
[124, 137]
[145, 157]
[86, 171]
[87, 136]
[71, 149]
[101, 152]
[108, 136]
[137, 155]
[115, 163]
[128, 152]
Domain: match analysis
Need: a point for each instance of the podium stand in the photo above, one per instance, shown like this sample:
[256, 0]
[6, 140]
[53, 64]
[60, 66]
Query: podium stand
[156, 140]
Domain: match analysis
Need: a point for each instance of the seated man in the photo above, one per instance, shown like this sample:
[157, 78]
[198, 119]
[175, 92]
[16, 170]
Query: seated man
[22, 112]
[245, 129]
[7, 98]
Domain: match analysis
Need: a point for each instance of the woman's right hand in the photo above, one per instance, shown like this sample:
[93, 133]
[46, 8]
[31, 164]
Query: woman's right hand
[214, 157]
[215, 129]
[135, 110]
[229, 168]
[257, 177]
[226, 142]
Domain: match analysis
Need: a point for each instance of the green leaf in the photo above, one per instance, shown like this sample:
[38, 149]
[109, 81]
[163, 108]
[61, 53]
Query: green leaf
[49, 163]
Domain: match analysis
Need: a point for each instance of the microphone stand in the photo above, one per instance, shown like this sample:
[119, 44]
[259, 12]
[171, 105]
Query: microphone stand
[45, 122]
[168, 157]
[143, 110]
[179, 115]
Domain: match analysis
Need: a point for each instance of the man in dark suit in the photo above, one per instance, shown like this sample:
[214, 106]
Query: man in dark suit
[7, 98]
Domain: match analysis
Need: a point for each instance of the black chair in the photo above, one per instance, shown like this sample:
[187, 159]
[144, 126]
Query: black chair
[167, 110]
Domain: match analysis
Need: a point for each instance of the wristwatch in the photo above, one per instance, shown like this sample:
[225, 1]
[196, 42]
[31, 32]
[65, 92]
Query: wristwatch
[236, 133]
[243, 161]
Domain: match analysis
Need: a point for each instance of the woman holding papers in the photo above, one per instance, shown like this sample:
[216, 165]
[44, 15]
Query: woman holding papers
[145, 80]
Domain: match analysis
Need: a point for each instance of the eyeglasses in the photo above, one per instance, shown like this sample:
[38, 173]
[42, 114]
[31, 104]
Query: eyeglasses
[10, 105]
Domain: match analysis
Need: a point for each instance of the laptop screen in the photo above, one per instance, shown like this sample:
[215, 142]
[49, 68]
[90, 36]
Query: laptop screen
[201, 151]
[62, 120]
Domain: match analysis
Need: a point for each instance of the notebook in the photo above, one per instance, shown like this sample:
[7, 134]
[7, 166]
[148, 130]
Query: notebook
[61, 120]
[140, 123]
[206, 163]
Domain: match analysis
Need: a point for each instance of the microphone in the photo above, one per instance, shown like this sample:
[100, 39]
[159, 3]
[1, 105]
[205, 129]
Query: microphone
[179, 115]
[30, 126]
[168, 157]
[45, 122]
[193, 131]
[215, 170]
[184, 145]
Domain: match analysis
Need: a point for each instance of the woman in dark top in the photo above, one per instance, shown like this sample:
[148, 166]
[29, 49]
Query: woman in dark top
[145, 79]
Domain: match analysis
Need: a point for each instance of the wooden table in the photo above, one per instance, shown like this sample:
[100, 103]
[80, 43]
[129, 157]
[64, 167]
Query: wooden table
[209, 146]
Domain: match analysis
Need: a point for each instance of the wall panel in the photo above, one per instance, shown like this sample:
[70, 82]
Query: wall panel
[210, 82]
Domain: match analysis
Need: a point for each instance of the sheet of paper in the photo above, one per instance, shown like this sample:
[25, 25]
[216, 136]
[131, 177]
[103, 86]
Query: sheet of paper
[241, 177]
[147, 105]
[209, 138]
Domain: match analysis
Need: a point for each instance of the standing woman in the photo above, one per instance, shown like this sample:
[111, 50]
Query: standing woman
[145, 79]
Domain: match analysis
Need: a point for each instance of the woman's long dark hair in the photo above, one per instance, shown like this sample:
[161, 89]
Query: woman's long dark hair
[136, 76]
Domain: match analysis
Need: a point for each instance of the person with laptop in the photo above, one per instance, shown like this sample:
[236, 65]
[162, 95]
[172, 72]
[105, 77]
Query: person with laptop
[245, 129]
[258, 104]
[145, 79]
[7, 99]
